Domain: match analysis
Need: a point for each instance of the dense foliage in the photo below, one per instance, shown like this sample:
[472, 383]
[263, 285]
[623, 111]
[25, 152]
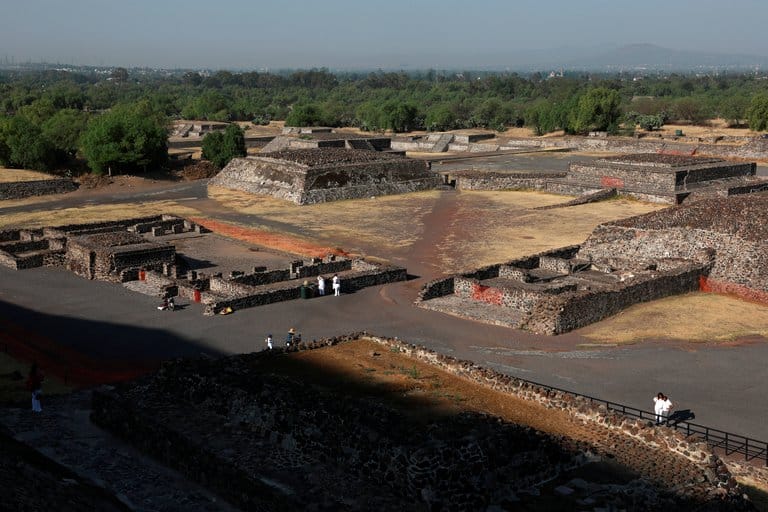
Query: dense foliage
[44, 113]
[221, 147]
[129, 137]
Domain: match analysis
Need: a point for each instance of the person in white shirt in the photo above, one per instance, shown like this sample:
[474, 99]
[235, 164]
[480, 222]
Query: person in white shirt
[321, 285]
[336, 285]
[661, 407]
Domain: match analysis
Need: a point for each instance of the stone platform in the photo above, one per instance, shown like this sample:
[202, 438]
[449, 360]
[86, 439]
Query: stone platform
[308, 176]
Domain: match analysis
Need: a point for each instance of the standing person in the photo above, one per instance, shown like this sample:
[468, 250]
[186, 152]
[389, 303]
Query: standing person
[35, 385]
[321, 285]
[269, 341]
[658, 404]
[336, 285]
[666, 406]
[289, 338]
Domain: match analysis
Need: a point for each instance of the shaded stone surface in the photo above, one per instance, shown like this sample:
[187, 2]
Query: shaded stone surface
[268, 441]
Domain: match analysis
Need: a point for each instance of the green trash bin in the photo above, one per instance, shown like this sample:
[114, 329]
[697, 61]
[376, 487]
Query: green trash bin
[304, 290]
[678, 133]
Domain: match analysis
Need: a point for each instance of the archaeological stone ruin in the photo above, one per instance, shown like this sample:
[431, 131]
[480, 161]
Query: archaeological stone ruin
[714, 245]
[652, 177]
[140, 253]
[308, 176]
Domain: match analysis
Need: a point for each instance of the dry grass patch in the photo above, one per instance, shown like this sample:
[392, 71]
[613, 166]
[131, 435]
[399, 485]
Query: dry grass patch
[491, 227]
[10, 175]
[692, 317]
[386, 221]
[100, 213]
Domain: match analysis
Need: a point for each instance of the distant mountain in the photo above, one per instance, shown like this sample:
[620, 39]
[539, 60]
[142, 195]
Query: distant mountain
[652, 57]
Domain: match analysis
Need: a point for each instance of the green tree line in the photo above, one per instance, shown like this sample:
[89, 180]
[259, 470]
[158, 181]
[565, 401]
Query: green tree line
[49, 118]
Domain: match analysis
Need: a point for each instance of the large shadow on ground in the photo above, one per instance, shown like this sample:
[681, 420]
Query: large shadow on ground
[365, 429]
[30, 335]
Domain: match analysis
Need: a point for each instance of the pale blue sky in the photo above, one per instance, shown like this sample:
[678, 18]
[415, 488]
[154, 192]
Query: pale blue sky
[352, 34]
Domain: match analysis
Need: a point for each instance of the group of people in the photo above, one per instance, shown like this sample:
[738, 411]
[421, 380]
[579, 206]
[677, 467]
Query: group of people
[335, 285]
[661, 407]
[291, 339]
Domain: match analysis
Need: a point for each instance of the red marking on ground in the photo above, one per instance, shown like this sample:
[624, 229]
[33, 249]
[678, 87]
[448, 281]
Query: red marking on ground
[269, 239]
[71, 366]
[707, 284]
[487, 294]
[611, 182]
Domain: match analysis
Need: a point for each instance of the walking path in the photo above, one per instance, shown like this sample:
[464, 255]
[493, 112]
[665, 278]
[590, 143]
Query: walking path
[64, 433]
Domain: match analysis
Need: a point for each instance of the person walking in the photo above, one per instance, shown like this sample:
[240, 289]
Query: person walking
[321, 285]
[269, 341]
[35, 385]
[336, 285]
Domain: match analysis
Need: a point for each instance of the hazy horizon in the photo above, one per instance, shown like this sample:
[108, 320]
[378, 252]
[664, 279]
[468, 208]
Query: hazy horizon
[341, 34]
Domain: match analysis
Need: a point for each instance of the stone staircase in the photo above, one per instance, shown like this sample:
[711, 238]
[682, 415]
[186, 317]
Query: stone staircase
[442, 143]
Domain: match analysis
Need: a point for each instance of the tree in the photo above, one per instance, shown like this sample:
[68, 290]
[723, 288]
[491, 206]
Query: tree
[399, 117]
[647, 122]
[757, 113]
[221, 147]
[306, 115]
[734, 110]
[22, 145]
[690, 109]
[440, 118]
[64, 130]
[128, 137]
[598, 109]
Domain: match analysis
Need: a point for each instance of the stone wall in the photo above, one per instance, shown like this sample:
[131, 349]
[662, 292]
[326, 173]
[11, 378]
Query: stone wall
[243, 296]
[436, 288]
[372, 189]
[567, 299]
[22, 189]
[482, 180]
[739, 261]
[310, 184]
[556, 314]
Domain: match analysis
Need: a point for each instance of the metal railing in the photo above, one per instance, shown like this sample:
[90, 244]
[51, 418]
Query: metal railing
[730, 443]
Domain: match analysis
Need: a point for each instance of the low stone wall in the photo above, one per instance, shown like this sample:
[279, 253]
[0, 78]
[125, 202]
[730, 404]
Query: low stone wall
[262, 278]
[98, 227]
[436, 288]
[716, 482]
[383, 188]
[738, 261]
[323, 268]
[22, 189]
[248, 297]
[594, 197]
[483, 180]
[562, 313]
